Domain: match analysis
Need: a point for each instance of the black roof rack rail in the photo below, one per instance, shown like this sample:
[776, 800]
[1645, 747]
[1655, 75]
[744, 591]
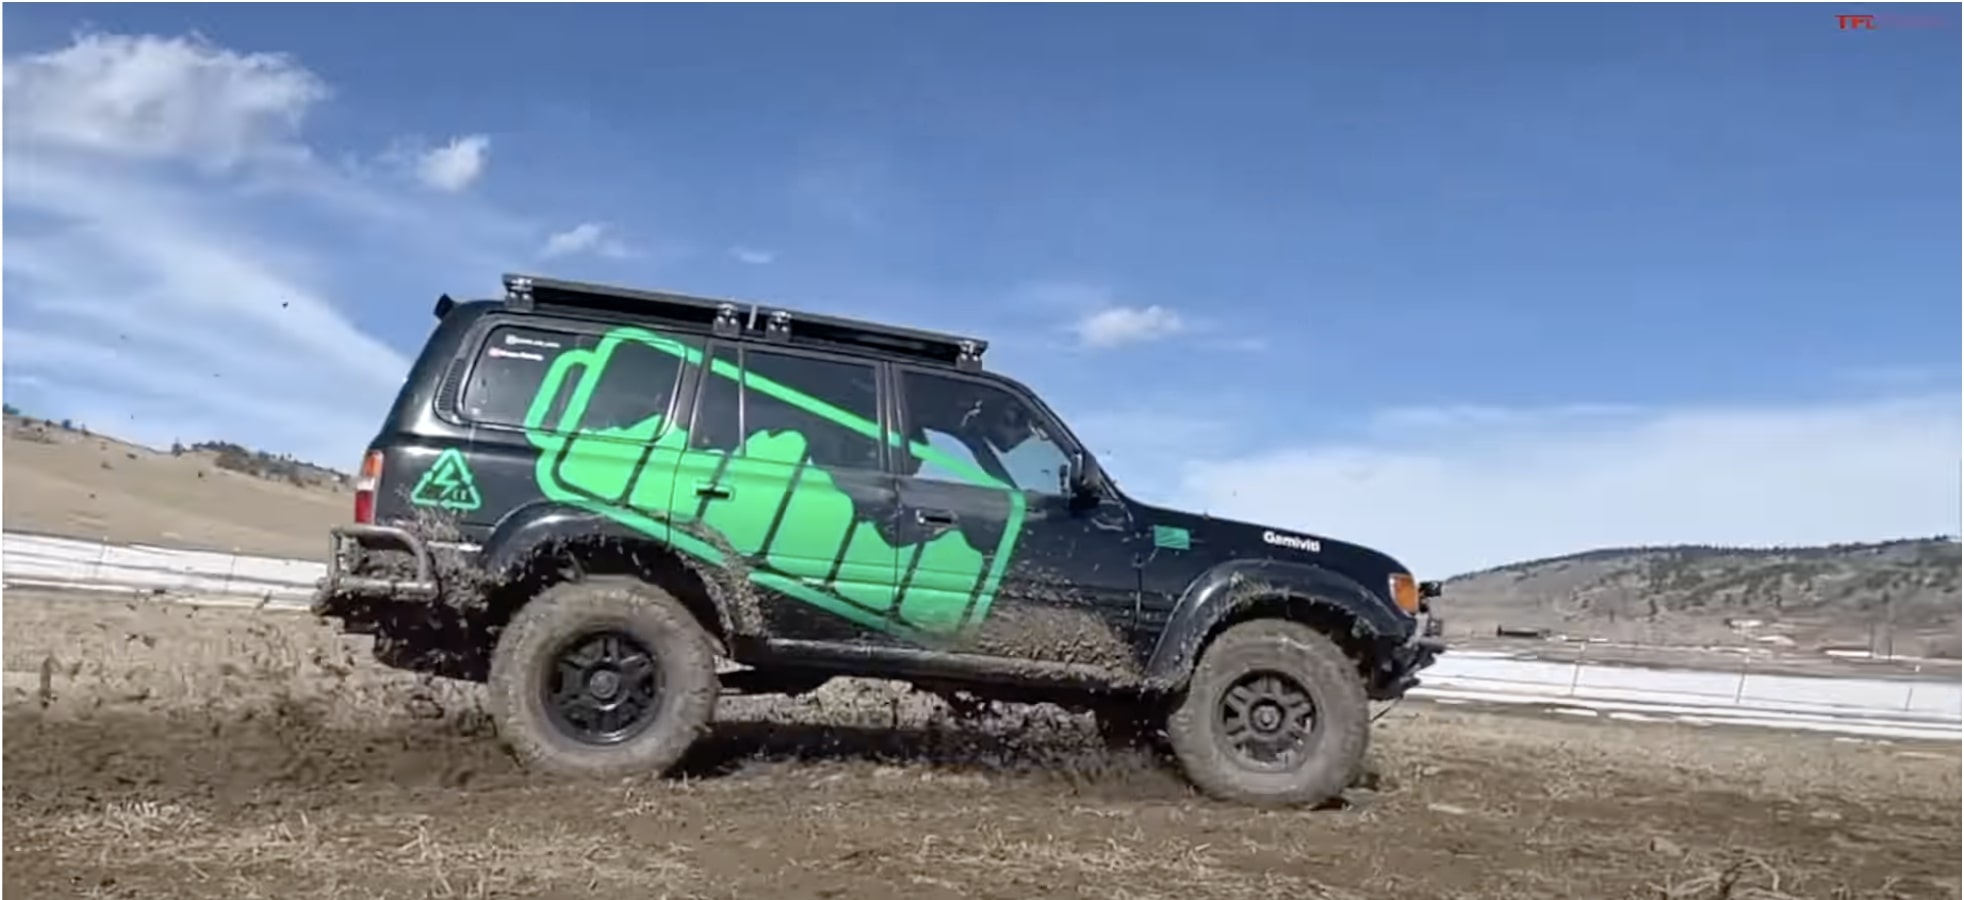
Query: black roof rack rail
[735, 319]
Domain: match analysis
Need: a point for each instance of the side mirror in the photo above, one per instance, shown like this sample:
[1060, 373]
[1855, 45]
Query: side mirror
[1084, 478]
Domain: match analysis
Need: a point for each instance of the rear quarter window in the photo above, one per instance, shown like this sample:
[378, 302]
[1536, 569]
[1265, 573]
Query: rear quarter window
[508, 367]
[629, 378]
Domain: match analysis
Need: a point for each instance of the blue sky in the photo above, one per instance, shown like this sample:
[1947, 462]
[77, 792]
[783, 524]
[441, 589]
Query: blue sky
[1471, 283]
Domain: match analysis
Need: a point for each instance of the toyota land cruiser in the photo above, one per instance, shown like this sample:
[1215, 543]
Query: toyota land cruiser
[585, 495]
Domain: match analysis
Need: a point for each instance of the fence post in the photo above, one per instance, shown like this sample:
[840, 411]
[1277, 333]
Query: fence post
[1745, 665]
[101, 554]
[230, 570]
[1909, 697]
[1575, 673]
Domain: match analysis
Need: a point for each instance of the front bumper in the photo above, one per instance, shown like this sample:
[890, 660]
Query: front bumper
[1416, 654]
[351, 562]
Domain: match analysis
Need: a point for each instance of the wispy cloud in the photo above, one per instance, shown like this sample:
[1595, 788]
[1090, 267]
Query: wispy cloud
[148, 97]
[1900, 376]
[453, 166]
[1091, 315]
[1462, 415]
[751, 256]
[587, 237]
[1463, 488]
[174, 247]
[1118, 325]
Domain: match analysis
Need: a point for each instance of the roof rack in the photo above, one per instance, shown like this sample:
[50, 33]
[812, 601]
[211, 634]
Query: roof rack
[753, 321]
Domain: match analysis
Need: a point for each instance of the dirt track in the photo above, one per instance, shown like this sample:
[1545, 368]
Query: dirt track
[165, 752]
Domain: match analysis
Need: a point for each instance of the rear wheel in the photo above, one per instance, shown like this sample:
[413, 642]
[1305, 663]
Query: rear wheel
[1275, 714]
[605, 677]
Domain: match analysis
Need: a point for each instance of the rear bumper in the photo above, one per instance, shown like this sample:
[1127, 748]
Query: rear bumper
[386, 582]
[349, 565]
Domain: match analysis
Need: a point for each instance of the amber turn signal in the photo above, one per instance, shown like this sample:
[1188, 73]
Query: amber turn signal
[1404, 591]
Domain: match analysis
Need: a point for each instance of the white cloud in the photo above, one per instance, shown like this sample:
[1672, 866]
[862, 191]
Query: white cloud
[1094, 318]
[1116, 325]
[1448, 492]
[751, 256]
[174, 248]
[1469, 414]
[137, 288]
[453, 166]
[587, 237]
[155, 97]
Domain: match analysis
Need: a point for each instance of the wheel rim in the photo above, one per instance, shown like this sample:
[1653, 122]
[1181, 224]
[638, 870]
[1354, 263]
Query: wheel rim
[1267, 721]
[603, 687]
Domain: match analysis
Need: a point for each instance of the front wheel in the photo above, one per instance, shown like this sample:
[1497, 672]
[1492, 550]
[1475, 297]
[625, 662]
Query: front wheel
[1275, 714]
[603, 678]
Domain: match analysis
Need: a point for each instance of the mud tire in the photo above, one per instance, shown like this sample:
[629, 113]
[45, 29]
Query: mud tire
[1336, 748]
[683, 653]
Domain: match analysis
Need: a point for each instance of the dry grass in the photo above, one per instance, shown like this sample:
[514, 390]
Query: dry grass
[97, 487]
[228, 753]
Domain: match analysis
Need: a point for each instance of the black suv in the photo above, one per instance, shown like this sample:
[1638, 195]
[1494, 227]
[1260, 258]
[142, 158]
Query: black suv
[583, 495]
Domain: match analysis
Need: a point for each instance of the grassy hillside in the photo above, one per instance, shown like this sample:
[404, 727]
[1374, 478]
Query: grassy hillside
[1849, 593]
[66, 481]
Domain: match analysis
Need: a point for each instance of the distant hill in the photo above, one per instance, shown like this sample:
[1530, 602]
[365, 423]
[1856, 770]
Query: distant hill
[1846, 593]
[63, 479]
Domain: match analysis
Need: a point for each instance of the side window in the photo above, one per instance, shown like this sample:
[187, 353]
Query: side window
[983, 424]
[719, 413]
[834, 405]
[624, 383]
[510, 365]
[627, 386]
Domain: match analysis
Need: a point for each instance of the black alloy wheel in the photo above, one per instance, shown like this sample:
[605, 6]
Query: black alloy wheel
[603, 688]
[1267, 720]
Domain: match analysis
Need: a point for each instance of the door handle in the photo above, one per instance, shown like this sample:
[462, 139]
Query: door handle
[934, 517]
[712, 490]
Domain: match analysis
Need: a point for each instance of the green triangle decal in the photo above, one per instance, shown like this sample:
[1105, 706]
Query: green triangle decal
[448, 484]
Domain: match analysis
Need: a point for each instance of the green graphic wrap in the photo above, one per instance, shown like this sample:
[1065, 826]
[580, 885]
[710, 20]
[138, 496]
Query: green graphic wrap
[819, 552]
[448, 484]
[1167, 537]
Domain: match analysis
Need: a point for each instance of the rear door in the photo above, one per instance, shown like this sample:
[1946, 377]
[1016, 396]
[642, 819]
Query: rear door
[602, 420]
[786, 468]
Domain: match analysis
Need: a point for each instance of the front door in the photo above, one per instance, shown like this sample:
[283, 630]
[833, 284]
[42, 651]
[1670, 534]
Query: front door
[995, 556]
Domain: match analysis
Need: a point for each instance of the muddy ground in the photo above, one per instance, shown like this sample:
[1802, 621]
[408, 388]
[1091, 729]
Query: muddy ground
[159, 752]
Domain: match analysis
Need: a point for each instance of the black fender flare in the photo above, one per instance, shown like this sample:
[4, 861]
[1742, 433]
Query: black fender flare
[1223, 589]
[515, 541]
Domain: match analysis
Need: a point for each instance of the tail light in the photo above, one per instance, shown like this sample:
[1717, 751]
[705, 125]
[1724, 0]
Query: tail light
[366, 484]
[1404, 592]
